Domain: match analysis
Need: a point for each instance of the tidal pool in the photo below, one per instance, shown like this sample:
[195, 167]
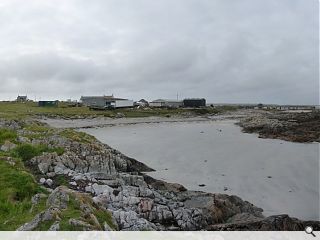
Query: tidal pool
[280, 177]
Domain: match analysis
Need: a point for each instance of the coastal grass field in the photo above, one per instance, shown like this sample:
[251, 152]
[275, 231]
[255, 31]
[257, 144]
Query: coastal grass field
[17, 110]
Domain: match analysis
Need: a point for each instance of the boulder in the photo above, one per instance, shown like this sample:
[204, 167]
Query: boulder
[55, 226]
[7, 146]
[49, 182]
[59, 198]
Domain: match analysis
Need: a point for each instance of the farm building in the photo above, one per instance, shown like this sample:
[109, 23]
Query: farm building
[166, 103]
[194, 102]
[48, 103]
[104, 102]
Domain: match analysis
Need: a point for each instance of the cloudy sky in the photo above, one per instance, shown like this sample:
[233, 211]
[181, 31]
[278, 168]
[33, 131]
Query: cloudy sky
[246, 51]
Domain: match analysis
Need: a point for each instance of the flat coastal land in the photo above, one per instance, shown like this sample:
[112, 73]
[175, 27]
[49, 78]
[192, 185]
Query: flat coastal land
[56, 178]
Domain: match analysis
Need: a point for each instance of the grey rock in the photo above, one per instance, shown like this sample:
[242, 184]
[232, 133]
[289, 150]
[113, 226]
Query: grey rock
[51, 174]
[49, 182]
[130, 221]
[46, 215]
[7, 146]
[99, 189]
[106, 227]
[55, 226]
[42, 180]
[44, 167]
[79, 223]
[73, 183]
[59, 198]
[88, 189]
[243, 217]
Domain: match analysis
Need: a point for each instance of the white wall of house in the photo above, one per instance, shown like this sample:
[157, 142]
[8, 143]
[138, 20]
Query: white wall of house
[123, 103]
[156, 104]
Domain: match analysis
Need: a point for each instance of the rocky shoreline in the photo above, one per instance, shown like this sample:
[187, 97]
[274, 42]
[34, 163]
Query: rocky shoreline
[289, 126]
[102, 182]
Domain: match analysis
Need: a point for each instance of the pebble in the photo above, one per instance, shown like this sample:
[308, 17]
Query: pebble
[42, 180]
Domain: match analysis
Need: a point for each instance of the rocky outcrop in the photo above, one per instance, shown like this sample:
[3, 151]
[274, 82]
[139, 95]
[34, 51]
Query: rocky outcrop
[60, 203]
[47, 215]
[295, 127]
[272, 223]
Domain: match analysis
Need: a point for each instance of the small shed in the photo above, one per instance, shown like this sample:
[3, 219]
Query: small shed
[48, 103]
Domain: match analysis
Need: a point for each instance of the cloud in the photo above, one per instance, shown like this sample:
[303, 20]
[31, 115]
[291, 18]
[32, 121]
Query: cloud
[225, 51]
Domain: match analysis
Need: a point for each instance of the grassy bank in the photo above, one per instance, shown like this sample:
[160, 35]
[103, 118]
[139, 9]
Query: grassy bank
[18, 182]
[15, 110]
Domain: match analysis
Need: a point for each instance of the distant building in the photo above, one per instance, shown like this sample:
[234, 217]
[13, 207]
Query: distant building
[194, 102]
[142, 103]
[48, 103]
[166, 103]
[104, 102]
[22, 98]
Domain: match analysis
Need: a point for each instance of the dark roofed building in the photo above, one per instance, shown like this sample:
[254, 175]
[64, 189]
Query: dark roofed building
[194, 102]
[48, 103]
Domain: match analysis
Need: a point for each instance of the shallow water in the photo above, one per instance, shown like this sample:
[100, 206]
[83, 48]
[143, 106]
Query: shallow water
[278, 176]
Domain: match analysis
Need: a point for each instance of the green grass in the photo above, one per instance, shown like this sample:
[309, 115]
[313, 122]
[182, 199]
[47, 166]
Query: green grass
[61, 180]
[27, 151]
[104, 216]
[73, 211]
[16, 189]
[7, 134]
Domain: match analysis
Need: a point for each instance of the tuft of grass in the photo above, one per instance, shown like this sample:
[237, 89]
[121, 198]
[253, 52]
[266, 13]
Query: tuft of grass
[7, 134]
[104, 216]
[73, 211]
[61, 180]
[27, 151]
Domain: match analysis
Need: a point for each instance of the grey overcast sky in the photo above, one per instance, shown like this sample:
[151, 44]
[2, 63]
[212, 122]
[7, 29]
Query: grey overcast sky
[246, 51]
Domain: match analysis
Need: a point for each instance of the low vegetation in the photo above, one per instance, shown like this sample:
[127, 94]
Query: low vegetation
[17, 186]
[16, 110]
[7, 135]
[27, 151]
